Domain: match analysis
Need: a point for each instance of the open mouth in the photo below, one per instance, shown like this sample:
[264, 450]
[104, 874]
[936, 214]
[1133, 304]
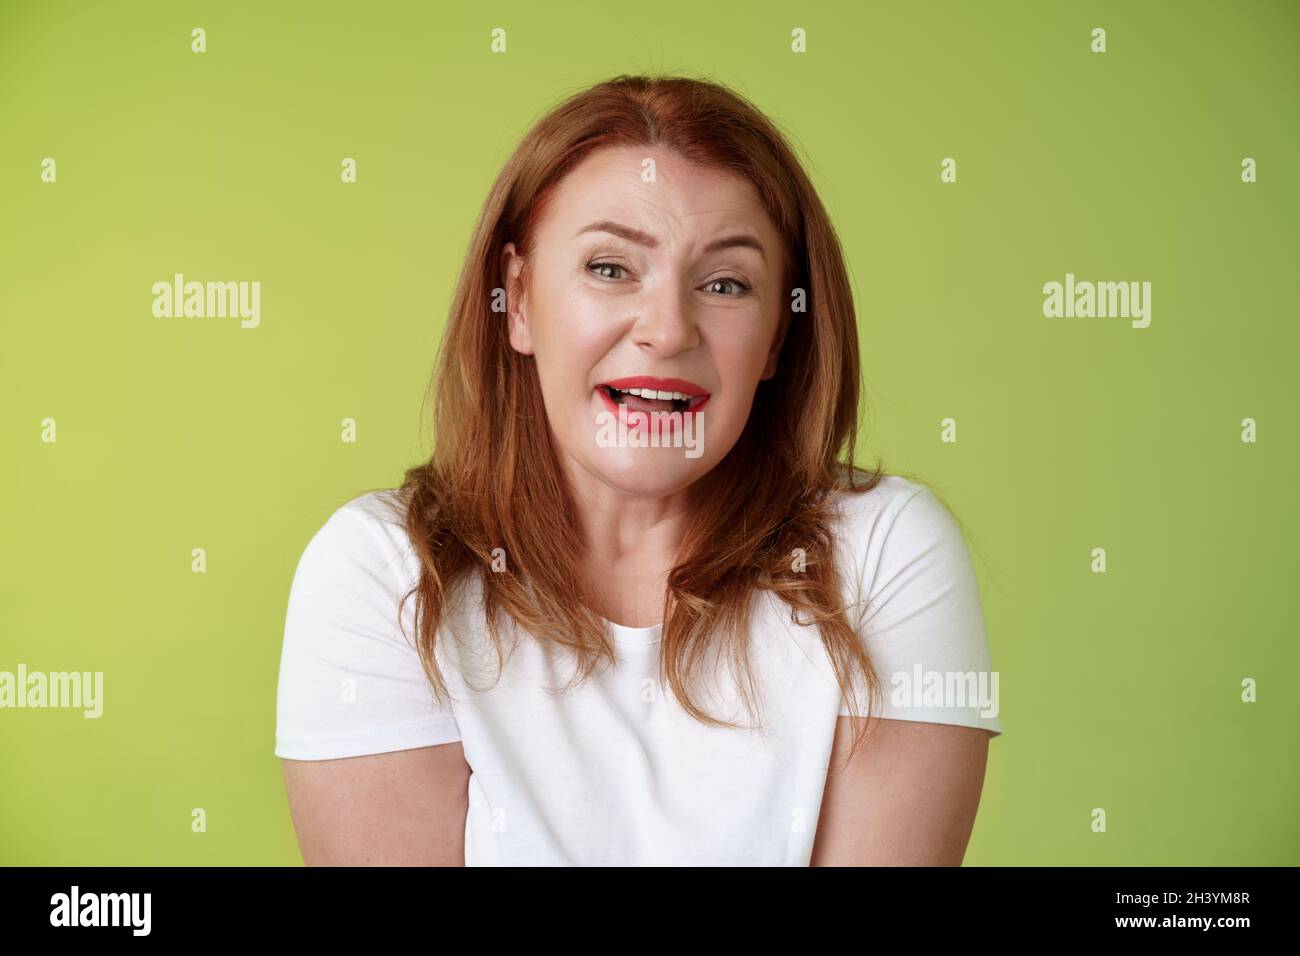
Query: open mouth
[643, 393]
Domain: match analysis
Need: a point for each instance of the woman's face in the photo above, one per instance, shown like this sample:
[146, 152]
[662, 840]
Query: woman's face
[649, 279]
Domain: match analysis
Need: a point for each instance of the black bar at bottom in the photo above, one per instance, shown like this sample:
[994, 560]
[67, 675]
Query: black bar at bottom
[641, 906]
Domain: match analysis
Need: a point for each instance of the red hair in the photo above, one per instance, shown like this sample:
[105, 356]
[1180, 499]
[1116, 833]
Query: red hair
[492, 482]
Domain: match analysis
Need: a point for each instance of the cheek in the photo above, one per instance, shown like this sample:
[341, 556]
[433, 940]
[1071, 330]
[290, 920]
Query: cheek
[739, 363]
[570, 337]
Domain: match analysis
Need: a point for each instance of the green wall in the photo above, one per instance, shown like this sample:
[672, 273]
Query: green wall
[1120, 690]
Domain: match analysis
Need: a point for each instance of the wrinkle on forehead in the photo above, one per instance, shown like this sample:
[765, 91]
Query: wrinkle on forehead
[685, 194]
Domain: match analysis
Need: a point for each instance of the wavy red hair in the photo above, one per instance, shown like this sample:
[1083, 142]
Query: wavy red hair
[492, 482]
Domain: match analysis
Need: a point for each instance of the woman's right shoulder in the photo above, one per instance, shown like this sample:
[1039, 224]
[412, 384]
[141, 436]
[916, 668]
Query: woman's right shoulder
[383, 511]
[366, 532]
[351, 678]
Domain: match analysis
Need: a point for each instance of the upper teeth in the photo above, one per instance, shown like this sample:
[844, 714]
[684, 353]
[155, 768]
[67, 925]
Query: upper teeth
[651, 393]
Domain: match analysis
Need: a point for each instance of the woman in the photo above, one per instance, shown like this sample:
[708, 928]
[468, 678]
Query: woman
[651, 607]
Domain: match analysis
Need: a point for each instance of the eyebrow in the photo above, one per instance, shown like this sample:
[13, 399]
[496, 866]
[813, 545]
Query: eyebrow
[645, 239]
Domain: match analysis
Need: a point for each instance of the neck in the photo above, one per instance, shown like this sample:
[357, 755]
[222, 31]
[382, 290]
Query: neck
[631, 544]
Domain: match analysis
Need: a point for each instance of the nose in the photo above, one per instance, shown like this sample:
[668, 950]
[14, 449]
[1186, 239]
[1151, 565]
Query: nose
[667, 325]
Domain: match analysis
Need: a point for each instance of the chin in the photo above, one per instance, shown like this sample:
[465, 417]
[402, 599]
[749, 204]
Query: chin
[647, 472]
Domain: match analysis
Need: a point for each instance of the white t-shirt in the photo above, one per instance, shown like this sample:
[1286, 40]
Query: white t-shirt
[615, 773]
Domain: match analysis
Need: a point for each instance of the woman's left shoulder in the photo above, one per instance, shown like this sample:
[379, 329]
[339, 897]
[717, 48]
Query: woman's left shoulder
[917, 600]
[865, 512]
[900, 532]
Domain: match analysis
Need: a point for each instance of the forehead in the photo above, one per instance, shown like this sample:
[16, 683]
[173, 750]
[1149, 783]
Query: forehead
[684, 198]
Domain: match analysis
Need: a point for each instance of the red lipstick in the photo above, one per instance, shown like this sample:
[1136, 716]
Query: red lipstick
[658, 384]
[696, 398]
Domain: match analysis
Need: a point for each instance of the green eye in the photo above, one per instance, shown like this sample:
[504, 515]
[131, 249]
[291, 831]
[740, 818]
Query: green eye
[740, 286]
[604, 265]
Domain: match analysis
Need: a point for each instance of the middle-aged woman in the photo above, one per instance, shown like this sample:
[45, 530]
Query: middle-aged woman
[653, 604]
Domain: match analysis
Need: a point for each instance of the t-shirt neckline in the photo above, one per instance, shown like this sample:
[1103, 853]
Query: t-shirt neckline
[636, 635]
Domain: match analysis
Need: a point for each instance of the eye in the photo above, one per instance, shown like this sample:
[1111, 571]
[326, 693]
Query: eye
[741, 287]
[604, 265]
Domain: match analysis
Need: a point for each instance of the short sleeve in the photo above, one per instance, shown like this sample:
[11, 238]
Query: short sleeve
[921, 618]
[350, 681]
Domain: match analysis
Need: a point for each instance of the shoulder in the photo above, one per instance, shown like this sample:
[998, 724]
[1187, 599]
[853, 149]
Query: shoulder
[351, 679]
[916, 600]
[358, 561]
[368, 531]
[899, 536]
[897, 516]
[382, 513]
[864, 510]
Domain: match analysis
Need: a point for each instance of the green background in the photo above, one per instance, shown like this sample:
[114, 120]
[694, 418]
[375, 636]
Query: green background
[1119, 690]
